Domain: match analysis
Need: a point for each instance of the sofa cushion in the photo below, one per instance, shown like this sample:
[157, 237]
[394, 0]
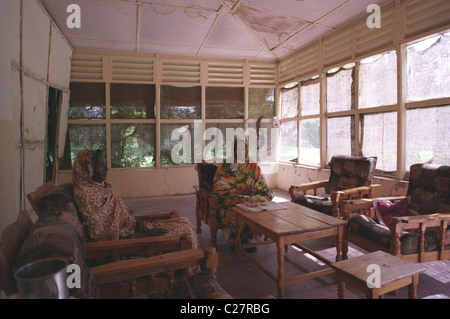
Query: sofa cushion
[199, 286]
[385, 209]
[429, 188]
[58, 233]
[320, 203]
[380, 234]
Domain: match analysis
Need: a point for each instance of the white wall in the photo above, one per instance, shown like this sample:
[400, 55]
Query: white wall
[34, 55]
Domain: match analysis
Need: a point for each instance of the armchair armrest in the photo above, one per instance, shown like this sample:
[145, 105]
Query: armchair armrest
[362, 206]
[146, 246]
[358, 192]
[188, 261]
[295, 190]
[154, 216]
[419, 224]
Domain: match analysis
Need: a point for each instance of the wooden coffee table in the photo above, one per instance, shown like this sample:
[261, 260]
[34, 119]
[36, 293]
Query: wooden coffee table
[291, 226]
[394, 273]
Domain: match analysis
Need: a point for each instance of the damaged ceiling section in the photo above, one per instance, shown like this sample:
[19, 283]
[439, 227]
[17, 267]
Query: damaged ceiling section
[250, 29]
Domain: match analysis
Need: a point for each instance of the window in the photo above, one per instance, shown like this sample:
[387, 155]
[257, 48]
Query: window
[428, 106]
[132, 145]
[289, 141]
[181, 102]
[261, 101]
[224, 102]
[310, 127]
[132, 101]
[378, 81]
[340, 136]
[87, 101]
[289, 101]
[429, 68]
[378, 138]
[340, 90]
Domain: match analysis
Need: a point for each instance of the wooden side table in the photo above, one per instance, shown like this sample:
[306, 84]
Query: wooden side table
[361, 272]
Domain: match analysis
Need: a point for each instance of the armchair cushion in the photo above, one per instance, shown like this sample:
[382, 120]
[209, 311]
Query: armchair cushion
[385, 209]
[350, 171]
[321, 203]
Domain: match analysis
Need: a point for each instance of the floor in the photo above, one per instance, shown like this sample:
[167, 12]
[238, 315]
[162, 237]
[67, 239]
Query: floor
[244, 280]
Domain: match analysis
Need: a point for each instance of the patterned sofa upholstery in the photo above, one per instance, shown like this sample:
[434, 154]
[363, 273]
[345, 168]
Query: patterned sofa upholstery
[350, 177]
[418, 233]
[59, 233]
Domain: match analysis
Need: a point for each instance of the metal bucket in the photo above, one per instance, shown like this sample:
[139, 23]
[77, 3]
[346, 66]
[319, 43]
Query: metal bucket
[43, 279]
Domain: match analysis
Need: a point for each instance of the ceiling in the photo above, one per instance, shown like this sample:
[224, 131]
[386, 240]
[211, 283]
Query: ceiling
[250, 29]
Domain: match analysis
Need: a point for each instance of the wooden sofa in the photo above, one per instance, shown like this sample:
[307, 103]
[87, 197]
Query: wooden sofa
[419, 233]
[155, 267]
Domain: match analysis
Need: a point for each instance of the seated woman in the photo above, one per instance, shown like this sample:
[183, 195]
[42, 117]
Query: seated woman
[104, 213]
[236, 183]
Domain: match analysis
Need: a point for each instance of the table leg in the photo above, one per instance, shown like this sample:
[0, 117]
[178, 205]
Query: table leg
[280, 254]
[339, 238]
[237, 247]
[341, 285]
[412, 288]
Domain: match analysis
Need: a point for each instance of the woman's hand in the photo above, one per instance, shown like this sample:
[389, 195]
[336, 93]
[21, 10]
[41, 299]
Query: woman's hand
[248, 191]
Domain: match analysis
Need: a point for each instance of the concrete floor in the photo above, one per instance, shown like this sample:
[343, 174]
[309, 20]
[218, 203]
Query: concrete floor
[244, 280]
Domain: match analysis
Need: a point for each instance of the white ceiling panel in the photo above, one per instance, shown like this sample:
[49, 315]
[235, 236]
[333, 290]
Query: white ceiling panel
[254, 29]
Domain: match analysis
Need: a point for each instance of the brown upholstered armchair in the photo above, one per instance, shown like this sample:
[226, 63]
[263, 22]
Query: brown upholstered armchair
[206, 201]
[417, 229]
[351, 177]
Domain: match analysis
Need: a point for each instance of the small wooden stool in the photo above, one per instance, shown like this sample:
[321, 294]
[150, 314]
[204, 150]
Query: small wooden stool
[361, 273]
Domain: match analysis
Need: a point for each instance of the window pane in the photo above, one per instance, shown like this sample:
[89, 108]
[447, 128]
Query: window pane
[181, 102]
[379, 138]
[288, 141]
[268, 138]
[180, 150]
[310, 141]
[261, 101]
[132, 145]
[428, 136]
[87, 101]
[429, 69]
[132, 101]
[212, 145]
[378, 81]
[310, 97]
[224, 102]
[339, 91]
[340, 131]
[289, 102]
[85, 136]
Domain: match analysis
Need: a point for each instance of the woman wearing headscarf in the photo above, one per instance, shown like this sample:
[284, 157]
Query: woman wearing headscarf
[104, 213]
[236, 183]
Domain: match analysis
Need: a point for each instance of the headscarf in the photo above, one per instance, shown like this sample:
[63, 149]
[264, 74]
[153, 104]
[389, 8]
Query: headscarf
[104, 213]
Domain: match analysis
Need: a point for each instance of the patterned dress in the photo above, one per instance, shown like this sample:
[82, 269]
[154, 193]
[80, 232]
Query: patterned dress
[105, 215]
[229, 181]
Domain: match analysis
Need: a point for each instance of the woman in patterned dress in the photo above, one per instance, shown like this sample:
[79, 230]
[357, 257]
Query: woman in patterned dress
[236, 183]
[104, 213]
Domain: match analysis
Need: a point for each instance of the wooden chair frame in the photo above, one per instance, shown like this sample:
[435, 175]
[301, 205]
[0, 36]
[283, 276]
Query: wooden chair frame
[336, 197]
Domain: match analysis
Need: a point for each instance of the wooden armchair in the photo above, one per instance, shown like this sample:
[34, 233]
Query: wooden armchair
[351, 177]
[206, 201]
[420, 232]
